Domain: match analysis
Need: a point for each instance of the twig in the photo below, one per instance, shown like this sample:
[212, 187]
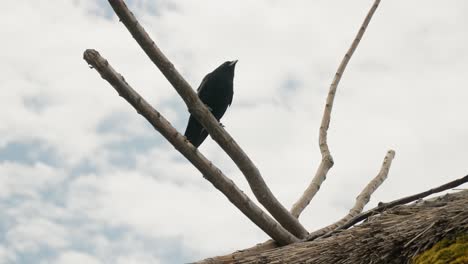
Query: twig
[362, 199]
[209, 171]
[384, 206]
[327, 160]
[217, 132]
[420, 234]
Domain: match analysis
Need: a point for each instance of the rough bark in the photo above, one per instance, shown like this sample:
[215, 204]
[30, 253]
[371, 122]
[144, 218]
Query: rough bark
[395, 236]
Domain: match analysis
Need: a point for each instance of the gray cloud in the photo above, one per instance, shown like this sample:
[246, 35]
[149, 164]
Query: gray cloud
[79, 167]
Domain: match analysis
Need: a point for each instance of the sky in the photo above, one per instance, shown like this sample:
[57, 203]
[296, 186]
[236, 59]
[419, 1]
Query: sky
[85, 179]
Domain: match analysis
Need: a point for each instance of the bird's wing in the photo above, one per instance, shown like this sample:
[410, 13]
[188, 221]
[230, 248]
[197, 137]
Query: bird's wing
[204, 90]
[195, 132]
[202, 84]
[230, 100]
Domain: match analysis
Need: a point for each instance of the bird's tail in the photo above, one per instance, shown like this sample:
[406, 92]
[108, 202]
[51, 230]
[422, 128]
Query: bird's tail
[195, 132]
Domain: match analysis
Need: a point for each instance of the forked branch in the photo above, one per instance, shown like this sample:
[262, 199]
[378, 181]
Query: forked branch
[362, 199]
[209, 171]
[327, 160]
[204, 116]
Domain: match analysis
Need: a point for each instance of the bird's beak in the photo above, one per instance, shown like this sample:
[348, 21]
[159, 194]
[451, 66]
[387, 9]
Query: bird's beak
[233, 63]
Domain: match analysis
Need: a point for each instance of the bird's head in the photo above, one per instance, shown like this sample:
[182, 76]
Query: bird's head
[227, 67]
[231, 63]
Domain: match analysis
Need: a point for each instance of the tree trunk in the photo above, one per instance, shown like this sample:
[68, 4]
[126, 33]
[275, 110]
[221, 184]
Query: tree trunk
[395, 236]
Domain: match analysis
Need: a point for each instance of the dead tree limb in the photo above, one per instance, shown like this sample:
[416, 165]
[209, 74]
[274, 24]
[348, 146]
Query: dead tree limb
[204, 116]
[327, 160]
[362, 199]
[209, 171]
[388, 238]
[385, 206]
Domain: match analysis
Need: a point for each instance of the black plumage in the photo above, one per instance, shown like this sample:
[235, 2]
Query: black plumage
[215, 91]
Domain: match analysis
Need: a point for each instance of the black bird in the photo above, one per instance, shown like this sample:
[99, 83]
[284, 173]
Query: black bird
[216, 91]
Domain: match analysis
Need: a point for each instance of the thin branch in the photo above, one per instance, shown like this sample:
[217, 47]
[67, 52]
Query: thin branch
[327, 160]
[362, 199]
[209, 171]
[217, 132]
[384, 206]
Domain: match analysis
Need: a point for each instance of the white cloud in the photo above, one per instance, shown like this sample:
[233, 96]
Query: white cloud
[6, 256]
[117, 186]
[161, 209]
[136, 260]
[74, 257]
[31, 234]
[26, 180]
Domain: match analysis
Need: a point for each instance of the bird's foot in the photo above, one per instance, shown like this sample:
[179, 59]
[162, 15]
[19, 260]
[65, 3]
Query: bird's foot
[221, 124]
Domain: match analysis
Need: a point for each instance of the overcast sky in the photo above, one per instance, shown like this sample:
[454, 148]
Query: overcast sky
[84, 179]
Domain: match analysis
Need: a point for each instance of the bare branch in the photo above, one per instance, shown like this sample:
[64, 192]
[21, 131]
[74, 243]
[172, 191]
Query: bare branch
[204, 116]
[209, 171]
[384, 206]
[327, 160]
[362, 199]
